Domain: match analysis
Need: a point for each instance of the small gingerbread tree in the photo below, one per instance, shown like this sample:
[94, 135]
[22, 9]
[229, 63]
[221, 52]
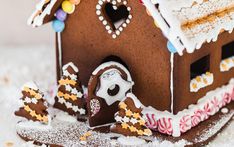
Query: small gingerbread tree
[70, 93]
[129, 121]
[34, 105]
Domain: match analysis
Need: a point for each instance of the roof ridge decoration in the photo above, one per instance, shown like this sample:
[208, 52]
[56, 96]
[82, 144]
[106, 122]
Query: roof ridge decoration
[174, 18]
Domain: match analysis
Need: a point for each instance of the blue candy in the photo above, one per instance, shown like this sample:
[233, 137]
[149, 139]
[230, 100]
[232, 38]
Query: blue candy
[171, 47]
[61, 15]
[58, 25]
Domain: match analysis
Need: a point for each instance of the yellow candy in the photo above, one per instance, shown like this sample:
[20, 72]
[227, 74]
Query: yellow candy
[68, 7]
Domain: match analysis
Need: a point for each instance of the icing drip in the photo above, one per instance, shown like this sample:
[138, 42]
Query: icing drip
[172, 82]
[193, 22]
[37, 18]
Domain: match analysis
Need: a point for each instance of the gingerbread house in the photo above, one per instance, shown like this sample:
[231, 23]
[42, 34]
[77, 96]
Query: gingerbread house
[181, 61]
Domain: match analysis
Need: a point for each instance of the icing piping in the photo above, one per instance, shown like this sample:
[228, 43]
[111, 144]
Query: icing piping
[117, 32]
[201, 81]
[175, 12]
[207, 106]
[36, 19]
[172, 82]
[60, 51]
[227, 64]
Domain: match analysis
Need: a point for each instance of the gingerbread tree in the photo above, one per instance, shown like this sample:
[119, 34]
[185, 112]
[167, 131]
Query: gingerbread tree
[70, 93]
[129, 121]
[34, 105]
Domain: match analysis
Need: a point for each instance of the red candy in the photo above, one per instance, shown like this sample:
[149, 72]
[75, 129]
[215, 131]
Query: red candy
[185, 123]
[165, 126]
[151, 121]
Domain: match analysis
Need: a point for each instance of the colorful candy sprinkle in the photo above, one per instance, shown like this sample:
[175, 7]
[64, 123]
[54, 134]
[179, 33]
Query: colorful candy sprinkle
[61, 15]
[58, 25]
[68, 7]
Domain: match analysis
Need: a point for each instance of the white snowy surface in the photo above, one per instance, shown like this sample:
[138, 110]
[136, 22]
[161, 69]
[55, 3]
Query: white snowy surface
[22, 64]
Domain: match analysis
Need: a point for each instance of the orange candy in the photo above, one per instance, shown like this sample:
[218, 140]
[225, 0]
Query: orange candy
[75, 2]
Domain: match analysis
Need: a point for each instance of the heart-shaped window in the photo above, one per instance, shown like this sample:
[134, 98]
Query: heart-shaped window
[114, 15]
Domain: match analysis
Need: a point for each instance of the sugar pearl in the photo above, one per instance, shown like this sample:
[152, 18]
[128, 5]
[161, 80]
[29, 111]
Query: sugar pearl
[75, 2]
[68, 7]
[61, 15]
[58, 25]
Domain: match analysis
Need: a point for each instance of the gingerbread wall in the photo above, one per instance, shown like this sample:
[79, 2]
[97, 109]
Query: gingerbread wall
[182, 95]
[141, 46]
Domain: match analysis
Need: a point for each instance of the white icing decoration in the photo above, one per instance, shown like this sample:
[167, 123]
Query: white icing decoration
[110, 78]
[30, 100]
[31, 85]
[118, 25]
[136, 101]
[72, 65]
[59, 51]
[224, 110]
[227, 64]
[37, 20]
[178, 12]
[209, 105]
[209, 78]
[172, 82]
[69, 105]
[73, 91]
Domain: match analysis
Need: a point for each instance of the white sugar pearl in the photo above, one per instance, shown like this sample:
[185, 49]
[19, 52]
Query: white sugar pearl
[114, 36]
[98, 12]
[127, 21]
[224, 110]
[108, 27]
[115, 7]
[117, 32]
[109, 31]
[98, 7]
[130, 16]
[125, 3]
[114, 2]
[118, 1]
[101, 18]
[129, 8]
[124, 25]
[120, 29]
[104, 22]
[100, 3]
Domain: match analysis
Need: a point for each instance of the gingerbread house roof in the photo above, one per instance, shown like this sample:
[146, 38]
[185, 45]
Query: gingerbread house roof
[187, 24]
[190, 23]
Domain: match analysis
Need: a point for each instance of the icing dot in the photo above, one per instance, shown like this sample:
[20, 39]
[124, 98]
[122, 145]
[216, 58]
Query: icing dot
[115, 7]
[104, 22]
[171, 47]
[120, 29]
[124, 25]
[117, 32]
[101, 18]
[114, 36]
[98, 7]
[118, 1]
[114, 2]
[130, 16]
[108, 27]
[125, 2]
[100, 2]
[224, 110]
[109, 31]
[129, 9]
[98, 12]
[127, 21]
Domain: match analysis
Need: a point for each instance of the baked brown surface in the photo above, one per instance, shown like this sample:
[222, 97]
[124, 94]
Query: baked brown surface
[141, 46]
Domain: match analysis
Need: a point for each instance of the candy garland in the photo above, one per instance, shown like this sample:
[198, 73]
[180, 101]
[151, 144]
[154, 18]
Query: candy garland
[67, 7]
[169, 124]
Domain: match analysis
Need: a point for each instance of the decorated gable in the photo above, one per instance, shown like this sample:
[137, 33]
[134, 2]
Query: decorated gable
[188, 24]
